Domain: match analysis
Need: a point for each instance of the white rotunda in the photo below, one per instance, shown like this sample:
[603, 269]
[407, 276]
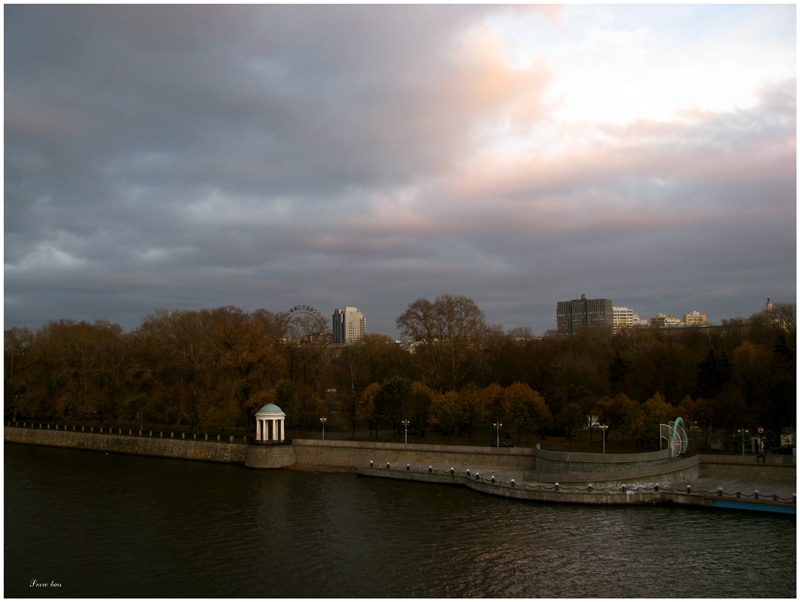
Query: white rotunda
[270, 423]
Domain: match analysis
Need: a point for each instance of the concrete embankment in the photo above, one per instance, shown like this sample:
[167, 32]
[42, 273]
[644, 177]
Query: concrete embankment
[559, 462]
[778, 500]
[345, 454]
[522, 473]
[669, 470]
[769, 467]
[358, 454]
[209, 451]
[555, 493]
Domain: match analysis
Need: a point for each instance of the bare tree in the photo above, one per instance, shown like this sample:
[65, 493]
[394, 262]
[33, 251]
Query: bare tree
[447, 335]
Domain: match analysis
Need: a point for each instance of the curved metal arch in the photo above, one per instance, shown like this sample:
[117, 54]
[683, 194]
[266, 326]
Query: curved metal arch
[679, 439]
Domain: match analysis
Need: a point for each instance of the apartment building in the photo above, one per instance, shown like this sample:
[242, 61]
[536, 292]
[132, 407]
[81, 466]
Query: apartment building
[623, 317]
[572, 316]
[348, 325]
[694, 318]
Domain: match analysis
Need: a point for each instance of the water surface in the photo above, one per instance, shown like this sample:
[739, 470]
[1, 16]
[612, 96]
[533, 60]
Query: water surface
[125, 526]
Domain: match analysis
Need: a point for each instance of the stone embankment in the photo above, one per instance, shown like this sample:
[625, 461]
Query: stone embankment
[345, 454]
[117, 442]
[522, 473]
[706, 492]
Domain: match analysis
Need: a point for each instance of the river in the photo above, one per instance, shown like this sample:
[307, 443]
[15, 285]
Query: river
[88, 524]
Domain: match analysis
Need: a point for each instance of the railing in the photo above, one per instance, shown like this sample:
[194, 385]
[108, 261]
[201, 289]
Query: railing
[621, 489]
[147, 433]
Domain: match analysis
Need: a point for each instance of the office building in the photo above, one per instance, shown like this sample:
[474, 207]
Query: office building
[571, 316]
[694, 318]
[623, 317]
[348, 325]
[664, 321]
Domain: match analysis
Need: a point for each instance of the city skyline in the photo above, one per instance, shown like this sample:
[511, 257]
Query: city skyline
[189, 157]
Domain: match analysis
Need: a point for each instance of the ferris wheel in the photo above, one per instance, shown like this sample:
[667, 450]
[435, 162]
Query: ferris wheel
[304, 322]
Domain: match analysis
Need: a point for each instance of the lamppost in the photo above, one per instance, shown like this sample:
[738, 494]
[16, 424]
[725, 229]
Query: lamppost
[743, 432]
[497, 426]
[323, 421]
[405, 424]
[604, 428]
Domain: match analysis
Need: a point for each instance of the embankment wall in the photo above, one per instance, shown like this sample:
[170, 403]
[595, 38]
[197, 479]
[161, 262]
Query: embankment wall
[670, 471]
[610, 469]
[358, 454]
[571, 496]
[209, 451]
[769, 467]
[553, 462]
[350, 454]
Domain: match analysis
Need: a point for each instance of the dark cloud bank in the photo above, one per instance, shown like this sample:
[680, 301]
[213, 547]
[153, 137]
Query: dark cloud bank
[187, 157]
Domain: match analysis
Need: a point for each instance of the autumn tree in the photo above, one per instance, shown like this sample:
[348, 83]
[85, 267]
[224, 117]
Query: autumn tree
[656, 412]
[18, 368]
[444, 412]
[470, 410]
[525, 410]
[570, 418]
[420, 406]
[620, 414]
[393, 401]
[249, 365]
[365, 407]
[492, 399]
[301, 404]
[373, 358]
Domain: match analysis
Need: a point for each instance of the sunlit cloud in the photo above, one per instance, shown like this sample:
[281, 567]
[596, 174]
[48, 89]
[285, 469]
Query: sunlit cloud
[264, 156]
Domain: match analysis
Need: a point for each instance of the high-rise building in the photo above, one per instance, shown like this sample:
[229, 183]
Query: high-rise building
[573, 315]
[348, 325]
[623, 317]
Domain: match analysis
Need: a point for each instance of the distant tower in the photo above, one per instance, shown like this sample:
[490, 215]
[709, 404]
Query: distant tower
[769, 305]
[348, 324]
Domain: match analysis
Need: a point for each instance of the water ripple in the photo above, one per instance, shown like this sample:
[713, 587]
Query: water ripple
[143, 527]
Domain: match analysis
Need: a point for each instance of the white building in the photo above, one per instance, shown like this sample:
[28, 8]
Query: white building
[348, 325]
[623, 317]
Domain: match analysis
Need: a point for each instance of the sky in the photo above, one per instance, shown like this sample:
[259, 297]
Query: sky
[195, 156]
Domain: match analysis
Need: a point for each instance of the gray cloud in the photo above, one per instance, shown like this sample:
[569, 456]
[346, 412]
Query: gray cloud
[198, 156]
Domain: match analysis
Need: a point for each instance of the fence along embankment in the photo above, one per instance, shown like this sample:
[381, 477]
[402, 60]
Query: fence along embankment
[209, 451]
[537, 465]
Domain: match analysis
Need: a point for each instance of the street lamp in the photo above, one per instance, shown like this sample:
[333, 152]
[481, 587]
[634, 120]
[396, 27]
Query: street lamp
[323, 421]
[604, 428]
[497, 426]
[743, 431]
[405, 424]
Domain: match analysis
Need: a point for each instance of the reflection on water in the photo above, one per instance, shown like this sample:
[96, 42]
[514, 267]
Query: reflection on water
[116, 525]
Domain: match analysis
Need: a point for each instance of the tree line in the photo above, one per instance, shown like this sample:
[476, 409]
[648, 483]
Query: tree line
[211, 370]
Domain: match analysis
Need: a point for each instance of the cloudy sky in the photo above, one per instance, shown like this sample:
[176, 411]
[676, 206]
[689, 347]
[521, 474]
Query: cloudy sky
[189, 157]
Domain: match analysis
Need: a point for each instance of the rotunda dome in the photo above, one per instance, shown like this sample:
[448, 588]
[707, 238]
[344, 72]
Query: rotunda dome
[270, 409]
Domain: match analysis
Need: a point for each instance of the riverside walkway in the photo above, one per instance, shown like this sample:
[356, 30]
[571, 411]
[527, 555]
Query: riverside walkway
[779, 497]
